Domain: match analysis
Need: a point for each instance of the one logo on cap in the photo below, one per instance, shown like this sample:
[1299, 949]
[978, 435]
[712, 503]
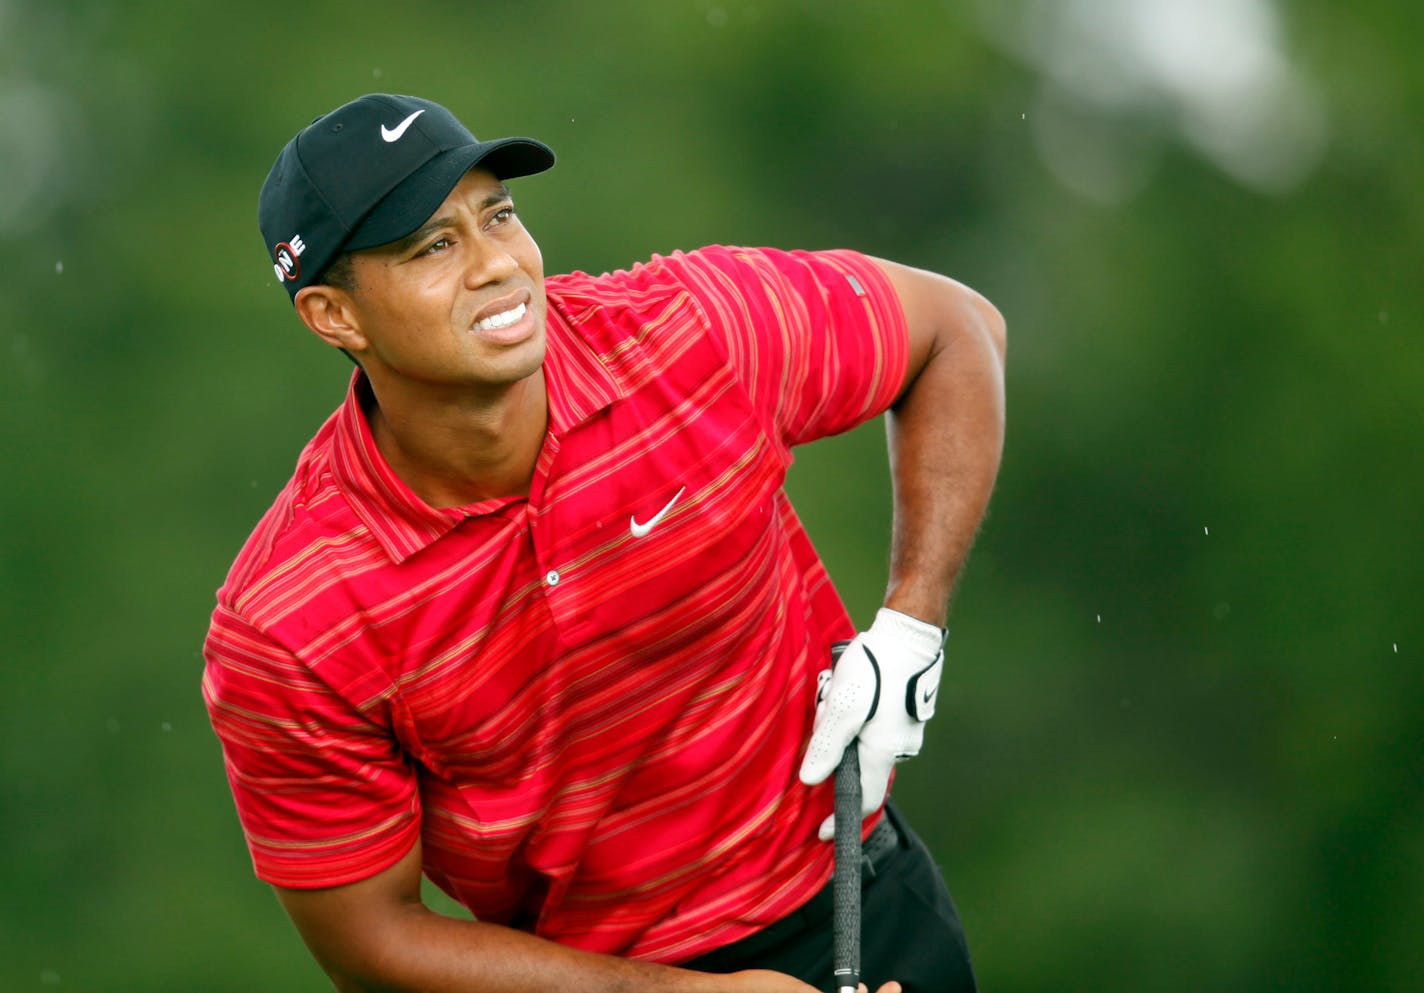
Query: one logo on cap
[288, 255]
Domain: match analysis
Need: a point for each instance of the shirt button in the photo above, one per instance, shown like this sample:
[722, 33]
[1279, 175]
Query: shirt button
[552, 577]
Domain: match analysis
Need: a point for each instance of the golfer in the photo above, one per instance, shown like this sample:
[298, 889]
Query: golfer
[533, 616]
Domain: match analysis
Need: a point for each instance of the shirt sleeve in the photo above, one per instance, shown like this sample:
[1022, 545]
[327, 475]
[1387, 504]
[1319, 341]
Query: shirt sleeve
[324, 794]
[818, 338]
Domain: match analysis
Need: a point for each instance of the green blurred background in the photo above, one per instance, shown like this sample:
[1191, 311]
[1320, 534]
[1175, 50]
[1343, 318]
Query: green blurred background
[1182, 742]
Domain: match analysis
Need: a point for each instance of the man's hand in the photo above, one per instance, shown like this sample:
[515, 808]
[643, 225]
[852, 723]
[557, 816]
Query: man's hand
[883, 690]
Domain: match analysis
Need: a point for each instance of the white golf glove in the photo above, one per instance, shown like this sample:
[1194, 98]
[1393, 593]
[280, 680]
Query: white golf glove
[883, 689]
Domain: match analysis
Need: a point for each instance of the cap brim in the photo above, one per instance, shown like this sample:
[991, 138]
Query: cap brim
[411, 204]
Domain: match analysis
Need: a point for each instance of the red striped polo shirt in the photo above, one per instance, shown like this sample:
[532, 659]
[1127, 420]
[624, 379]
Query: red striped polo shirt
[589, 705]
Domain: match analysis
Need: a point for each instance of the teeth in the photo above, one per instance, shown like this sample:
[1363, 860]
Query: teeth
[504, 320]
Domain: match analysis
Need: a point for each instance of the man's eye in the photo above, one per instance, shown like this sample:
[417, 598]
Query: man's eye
[438, 245]
[502, 215]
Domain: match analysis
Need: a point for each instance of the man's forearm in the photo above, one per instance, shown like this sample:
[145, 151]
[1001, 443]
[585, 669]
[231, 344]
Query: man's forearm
[420, 950]
[431, 952]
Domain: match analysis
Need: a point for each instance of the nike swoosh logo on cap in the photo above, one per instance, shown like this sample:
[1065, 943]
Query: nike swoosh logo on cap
[641, 530]
[394, 134]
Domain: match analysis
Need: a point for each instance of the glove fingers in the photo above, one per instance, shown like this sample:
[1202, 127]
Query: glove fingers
[823, 754]
[875, 767]
[844, 702]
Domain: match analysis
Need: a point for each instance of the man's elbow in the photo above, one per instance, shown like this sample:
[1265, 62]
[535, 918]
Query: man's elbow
[987, 319]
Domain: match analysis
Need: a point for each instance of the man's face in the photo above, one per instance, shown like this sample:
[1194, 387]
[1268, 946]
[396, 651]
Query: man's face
[459, 302]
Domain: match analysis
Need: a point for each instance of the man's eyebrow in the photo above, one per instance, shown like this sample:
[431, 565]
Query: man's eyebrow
[497, 196]
[419, 234]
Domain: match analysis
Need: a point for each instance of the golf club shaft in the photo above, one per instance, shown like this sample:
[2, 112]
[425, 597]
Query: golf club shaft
[847, 872]
[846, 891]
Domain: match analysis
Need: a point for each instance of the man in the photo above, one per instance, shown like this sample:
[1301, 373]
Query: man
[534, 616]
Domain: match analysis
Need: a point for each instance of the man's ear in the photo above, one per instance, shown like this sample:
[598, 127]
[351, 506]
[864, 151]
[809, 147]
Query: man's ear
[330, 314]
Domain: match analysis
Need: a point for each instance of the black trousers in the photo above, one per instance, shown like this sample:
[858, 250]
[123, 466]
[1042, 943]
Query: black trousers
[910, 931]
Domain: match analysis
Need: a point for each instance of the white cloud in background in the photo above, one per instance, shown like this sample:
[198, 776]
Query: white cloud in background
[40, 126]
[1121, 77]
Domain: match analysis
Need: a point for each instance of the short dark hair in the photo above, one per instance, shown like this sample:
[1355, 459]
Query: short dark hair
[340, 274]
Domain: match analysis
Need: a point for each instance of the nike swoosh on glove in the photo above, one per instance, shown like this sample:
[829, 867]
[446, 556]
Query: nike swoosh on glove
[882, 690]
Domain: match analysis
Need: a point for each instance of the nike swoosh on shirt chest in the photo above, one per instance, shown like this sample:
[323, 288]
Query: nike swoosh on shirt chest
[644, 528]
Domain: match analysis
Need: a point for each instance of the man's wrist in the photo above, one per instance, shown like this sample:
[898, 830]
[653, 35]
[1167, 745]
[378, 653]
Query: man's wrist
[915, 600]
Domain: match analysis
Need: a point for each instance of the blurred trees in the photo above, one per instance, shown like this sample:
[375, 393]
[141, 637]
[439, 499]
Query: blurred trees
[1181, 742]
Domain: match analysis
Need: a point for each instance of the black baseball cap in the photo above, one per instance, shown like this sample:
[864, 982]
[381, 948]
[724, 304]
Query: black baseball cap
[369, 173]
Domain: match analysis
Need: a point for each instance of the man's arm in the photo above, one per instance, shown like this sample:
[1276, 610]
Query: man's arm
[376, 936]
[946, 435]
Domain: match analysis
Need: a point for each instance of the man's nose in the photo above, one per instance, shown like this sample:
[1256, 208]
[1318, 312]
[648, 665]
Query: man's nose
[490, 264]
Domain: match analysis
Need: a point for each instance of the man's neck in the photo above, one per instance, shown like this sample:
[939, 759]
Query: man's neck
[454, 453]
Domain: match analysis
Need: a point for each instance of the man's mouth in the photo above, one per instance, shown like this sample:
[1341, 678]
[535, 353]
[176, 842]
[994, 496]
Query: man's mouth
[503, 319]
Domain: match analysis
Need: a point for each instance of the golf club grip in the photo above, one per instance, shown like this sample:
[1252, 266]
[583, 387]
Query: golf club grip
[846, 913]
